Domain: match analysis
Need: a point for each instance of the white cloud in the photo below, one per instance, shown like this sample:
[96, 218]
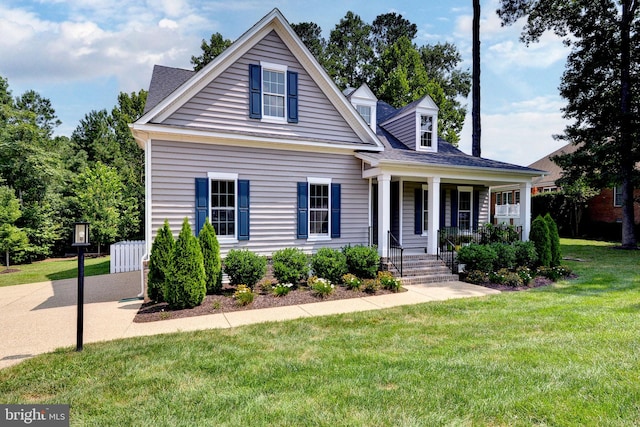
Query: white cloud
[168, 23]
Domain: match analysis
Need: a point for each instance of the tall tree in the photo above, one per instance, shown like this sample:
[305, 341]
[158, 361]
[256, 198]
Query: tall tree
[311, 35]
[45, 115]
[217, 44]
[349, 54]
[12, 238]
[600, 83]
[388, 28]
[475, 110]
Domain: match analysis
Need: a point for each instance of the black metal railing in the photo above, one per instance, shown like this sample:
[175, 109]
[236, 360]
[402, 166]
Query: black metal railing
[450, 239]
[395, 252]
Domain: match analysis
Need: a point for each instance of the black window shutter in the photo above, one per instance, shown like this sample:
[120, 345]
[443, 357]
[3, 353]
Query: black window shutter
[454, 208]
[417, 225]
[243, 209]
[335, 210]
[292, 97]
[255, 91]
[202, 202]
[303, 211]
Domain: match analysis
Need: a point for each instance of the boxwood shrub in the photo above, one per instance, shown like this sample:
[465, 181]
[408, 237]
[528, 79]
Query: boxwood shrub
[330, 264]
[478, 257]
[290, 265]
[244, 267]
[362, 261]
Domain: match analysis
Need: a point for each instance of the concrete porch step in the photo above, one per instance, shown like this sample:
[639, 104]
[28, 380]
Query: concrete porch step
[431, 278]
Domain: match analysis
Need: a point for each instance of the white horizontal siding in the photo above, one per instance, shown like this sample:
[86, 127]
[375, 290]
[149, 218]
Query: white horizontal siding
[273, 175]
[224, 104]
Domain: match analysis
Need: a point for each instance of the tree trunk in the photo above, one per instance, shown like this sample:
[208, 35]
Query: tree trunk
[7, 254]
[475, 113]
[626, 137]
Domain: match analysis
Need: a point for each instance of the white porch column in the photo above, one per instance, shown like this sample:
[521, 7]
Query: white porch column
[433, 204]
[384, 213]
[525, 209]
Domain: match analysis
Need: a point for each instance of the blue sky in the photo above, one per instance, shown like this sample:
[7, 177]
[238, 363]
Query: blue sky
[81, 53]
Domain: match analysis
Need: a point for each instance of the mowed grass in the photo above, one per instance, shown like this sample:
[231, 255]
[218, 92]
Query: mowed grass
[43, 271]
[564, 355]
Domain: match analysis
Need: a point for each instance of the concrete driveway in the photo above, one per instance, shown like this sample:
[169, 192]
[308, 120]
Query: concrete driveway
[40, 317]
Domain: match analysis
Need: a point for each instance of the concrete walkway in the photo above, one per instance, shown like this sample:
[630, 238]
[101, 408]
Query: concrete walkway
[40, 317]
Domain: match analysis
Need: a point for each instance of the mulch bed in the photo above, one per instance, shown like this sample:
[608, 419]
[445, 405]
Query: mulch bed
[536, 283]
[9, 270]
[224, 303]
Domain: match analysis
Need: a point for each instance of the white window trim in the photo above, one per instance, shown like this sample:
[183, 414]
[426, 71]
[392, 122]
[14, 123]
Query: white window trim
[318, 237]
[425, 207]
[270, 66]
[466, 190]
[372, 108]
[434, 132]
[225, 177]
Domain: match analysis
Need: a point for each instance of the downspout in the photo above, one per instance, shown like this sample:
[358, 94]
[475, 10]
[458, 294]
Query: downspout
[147, 214]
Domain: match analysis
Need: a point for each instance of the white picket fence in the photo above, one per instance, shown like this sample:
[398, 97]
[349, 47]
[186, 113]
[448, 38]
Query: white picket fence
[126, 256]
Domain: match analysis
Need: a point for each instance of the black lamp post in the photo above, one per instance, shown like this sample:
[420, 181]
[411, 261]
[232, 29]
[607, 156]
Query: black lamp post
[81, 241]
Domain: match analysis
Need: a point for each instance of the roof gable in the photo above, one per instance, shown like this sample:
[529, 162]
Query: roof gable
[272, 22]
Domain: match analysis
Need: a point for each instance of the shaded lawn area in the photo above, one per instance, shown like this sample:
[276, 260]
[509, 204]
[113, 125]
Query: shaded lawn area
[43, 271]
[568, 354]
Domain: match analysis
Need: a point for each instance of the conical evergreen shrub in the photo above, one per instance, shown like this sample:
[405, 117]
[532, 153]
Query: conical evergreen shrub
[539, 235]
[211, 255]
[186, 285]
[160, 262]
[554, 240]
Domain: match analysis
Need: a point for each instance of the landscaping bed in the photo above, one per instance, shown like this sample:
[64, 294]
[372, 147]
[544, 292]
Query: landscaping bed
[225, 303]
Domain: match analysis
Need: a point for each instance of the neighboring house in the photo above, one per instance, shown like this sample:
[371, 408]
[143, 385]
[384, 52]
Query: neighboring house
[603, 210]
[264, 144]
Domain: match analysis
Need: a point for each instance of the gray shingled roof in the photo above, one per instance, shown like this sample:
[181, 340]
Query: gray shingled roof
[164, 80]
[447, 154]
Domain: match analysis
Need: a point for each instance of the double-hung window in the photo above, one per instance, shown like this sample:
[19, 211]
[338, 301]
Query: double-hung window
[365, 112]
[319, 209]
[223, 204]
[426, 131]
[465, 208]
[617, 196]
[273, 93]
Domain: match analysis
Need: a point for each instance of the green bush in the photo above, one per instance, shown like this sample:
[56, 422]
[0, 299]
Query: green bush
[281, 289]
[362, 261]
[506, 277]
[526, 255]
[553, 273]
[160, 262]
[478, 257]
[244, 267]
[320, 286]
[330, 264]
[243, 295]
[290, 265]
[554, 240]
[539, 235]
[525, 274]
[211, 255]
[506, 255]
[186, 287]
[387, 281]
[477, 277]
[351, 282]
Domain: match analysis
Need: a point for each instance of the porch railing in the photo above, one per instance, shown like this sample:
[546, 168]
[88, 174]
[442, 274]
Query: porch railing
[450, 239]
[395, 251]
[509, 211]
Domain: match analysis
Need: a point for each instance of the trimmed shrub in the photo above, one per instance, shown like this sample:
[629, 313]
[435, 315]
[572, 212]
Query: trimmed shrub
[330, 264]
[526, 275]
[244, 267]
[290, 265]
[186, 285]
[211, 255]
[554, 240]
[506, 256]
[477, 277]
[362, 261]
[478, 257]
[539, 235]
[371, 286]
[160, 262]
[526, 254]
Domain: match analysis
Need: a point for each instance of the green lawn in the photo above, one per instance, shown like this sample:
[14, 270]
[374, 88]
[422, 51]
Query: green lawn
[52, 270]
[564, 355]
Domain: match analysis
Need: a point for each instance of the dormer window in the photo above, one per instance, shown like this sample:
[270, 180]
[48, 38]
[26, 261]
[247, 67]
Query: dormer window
[426, 131]
[365, 112]
[273, 93]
